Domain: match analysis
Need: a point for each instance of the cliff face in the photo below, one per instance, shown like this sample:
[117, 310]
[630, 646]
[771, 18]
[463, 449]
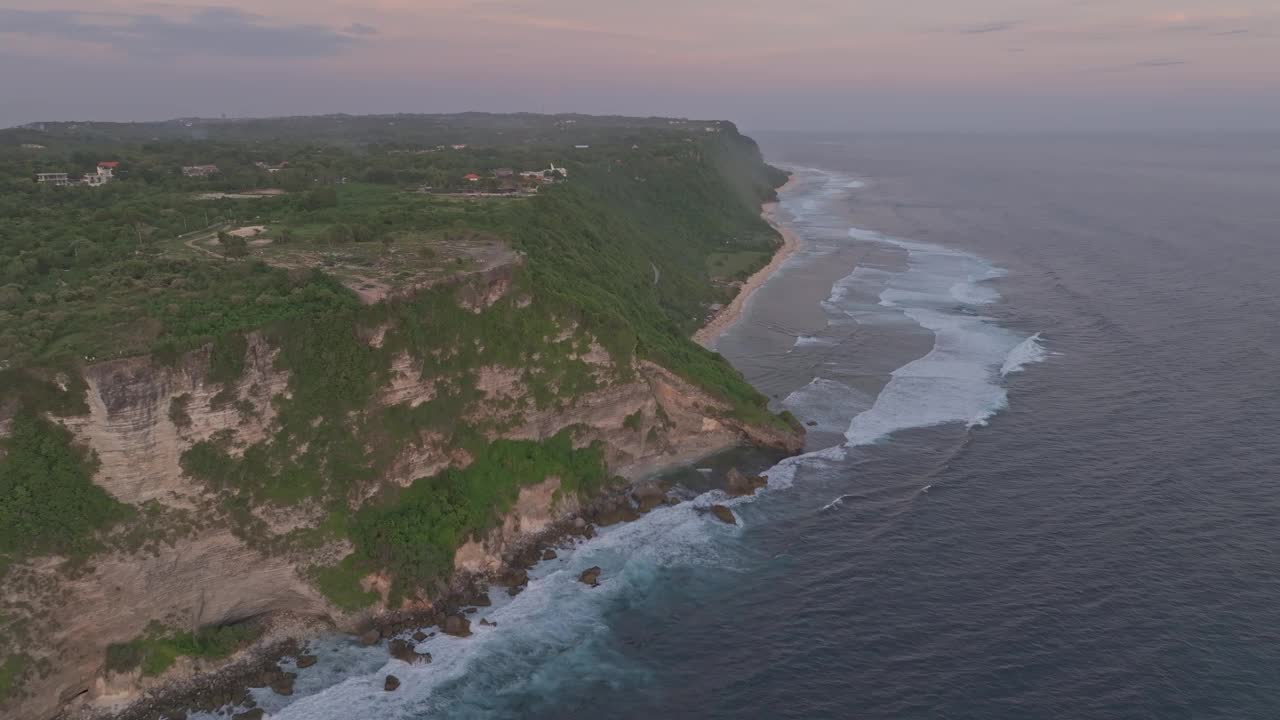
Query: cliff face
[238, 479]
[135, 428]
[195, 571]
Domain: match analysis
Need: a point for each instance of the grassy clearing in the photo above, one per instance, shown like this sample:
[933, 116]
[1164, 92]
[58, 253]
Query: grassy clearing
[159, 648]
[736, 265]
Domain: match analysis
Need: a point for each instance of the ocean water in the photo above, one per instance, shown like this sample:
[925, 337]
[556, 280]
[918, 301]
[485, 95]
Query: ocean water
[1040, 481]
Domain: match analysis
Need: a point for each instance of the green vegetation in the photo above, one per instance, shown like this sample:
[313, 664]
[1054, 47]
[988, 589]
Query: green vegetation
[12, 671]
[415, 534]
[626, 252]
[157, 649]
[341, 584]
[48, 502]
[736, 265]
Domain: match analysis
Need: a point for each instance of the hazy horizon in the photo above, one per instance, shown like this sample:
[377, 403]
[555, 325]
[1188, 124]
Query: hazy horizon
[814, 65]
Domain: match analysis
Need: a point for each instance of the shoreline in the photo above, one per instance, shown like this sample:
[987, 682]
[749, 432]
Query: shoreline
[226, 683]
[729, 315]
[225, 686]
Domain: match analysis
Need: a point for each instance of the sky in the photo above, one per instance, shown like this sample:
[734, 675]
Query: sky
[786, 64]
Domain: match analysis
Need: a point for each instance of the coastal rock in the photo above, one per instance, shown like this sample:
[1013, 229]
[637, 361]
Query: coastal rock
[486, 623]
[391, 684]
[515, 576]
[649, 496]
[419, 636]
[589, 532]
[620, 513]
[306, 661]
[724, 514]
[370, 637]
[515, 590]
[283, 683]
[254, 714]
[404, 651]
[623, 512]
[738, 485]
[579, 523]
[590, 576]
[457, 625]
[549, 554]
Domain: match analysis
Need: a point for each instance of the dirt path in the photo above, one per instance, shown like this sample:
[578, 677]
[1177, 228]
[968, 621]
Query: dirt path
[201, 235]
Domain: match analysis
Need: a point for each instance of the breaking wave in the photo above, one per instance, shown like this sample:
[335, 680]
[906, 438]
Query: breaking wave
[1029, 351]
[556, 635]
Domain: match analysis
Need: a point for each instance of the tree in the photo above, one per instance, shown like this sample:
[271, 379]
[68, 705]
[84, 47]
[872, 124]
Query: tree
[233, 246]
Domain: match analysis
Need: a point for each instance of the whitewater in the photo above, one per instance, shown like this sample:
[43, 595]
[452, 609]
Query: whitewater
[557, 634]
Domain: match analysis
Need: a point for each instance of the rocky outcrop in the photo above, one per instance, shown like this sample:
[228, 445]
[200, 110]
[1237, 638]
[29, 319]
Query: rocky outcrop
[739, 485]
[457, 625]
[724, 514]
[590, 576]
[144, 415]
[405, 651]
[209, 578]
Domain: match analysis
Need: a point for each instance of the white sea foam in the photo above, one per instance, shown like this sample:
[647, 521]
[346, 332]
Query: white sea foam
[1027, 352]
[958, 380]
[555, 631]
[814, 341]
[829, 403]
[551, 626]
[838, 502]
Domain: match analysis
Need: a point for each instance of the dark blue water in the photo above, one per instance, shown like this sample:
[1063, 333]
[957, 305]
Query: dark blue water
[1042, 482]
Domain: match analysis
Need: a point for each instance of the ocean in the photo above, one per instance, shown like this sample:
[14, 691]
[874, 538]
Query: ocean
[1040, 379]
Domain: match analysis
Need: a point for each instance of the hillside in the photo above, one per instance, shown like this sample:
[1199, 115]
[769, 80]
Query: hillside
[304, 380]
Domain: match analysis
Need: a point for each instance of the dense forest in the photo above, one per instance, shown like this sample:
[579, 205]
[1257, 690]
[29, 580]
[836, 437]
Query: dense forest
[641, 229]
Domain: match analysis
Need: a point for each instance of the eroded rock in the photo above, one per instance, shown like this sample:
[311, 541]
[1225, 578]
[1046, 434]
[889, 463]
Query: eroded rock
[282, 684]
[590, 576]
[738, 485]
[724, 514]
[626, 513]
[405, 651]
[649, 496]
[457, 625]
[391, 684]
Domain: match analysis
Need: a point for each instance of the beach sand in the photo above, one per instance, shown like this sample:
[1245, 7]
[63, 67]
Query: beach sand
[730, 314]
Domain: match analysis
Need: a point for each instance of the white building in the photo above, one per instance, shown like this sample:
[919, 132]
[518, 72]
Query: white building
[106, 173]
[57, 178]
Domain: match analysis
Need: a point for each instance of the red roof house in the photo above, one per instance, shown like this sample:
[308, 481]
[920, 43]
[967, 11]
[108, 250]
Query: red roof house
[112, 165]
[471, 177]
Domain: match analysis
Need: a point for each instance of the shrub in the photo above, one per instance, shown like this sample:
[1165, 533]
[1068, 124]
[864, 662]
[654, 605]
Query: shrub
[48, 502]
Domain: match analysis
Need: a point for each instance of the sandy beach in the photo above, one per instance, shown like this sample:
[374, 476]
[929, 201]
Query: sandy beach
[729, 314]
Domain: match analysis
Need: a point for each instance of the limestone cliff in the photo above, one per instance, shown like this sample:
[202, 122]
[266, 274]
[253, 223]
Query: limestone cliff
[193, 570]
